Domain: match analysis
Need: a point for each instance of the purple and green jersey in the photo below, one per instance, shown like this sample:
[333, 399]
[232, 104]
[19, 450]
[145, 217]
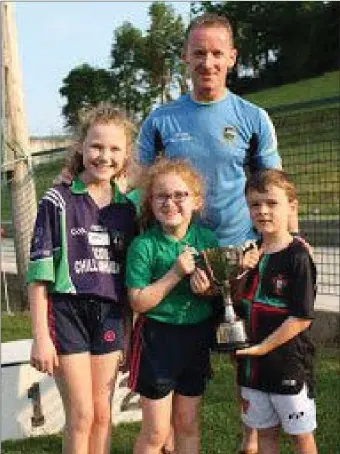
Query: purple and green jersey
[78, 248]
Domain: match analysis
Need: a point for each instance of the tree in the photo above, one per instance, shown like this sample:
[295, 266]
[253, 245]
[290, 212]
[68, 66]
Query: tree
[85, 86]
[130, 85]
[163, 48]
[282, 41]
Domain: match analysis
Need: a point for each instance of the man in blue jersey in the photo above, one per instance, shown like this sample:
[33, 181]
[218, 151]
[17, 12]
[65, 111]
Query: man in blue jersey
[221, 134]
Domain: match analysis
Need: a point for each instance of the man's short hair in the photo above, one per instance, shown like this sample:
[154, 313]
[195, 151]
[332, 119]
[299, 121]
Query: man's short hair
[210, 20]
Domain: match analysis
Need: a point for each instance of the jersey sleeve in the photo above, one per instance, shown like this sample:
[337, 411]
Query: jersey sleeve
[138, 264]
[45, 243]
[146, 149]
[266, 153]
[303, 288]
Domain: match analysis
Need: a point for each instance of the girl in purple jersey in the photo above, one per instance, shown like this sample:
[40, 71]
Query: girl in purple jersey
[76, 278]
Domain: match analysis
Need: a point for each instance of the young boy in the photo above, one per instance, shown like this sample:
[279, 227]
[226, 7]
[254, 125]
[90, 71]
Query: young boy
[277, 299]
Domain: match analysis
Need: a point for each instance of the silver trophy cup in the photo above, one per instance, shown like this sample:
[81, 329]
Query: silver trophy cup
[222, 264]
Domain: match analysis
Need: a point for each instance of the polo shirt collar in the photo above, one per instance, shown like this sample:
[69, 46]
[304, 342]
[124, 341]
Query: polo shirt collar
[170, 239]
[78, 187]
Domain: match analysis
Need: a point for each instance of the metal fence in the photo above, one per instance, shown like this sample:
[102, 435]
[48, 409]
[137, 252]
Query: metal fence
[309, 143]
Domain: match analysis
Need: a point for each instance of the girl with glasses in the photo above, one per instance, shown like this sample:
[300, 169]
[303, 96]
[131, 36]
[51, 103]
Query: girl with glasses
[173, 333]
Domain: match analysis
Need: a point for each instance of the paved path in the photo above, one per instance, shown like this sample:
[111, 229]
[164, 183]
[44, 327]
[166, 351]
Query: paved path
[327, 261]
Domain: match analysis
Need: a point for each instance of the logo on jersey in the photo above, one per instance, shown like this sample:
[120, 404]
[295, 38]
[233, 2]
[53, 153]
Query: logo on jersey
[279, 284]
[109, 335]
[229, 133]
[181, 137]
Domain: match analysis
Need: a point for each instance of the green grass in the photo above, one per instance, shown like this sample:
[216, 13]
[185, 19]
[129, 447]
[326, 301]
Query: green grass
[312, 89]
[14, 327]
[220, 418]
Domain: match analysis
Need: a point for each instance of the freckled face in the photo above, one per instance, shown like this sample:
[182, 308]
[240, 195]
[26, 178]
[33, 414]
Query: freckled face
[173, 203]
[104, 151]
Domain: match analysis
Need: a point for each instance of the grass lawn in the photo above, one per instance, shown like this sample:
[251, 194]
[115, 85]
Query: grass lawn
[220, 419]
[312, 89]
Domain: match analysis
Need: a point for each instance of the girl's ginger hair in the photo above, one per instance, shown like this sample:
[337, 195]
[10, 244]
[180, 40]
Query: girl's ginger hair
[262, 179]
[102, 113]
[164, 166]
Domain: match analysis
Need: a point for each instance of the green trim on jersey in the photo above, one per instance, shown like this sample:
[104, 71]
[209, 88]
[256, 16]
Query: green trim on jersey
[63, 282]
[41, 270]
[151, 256]
[259, 297]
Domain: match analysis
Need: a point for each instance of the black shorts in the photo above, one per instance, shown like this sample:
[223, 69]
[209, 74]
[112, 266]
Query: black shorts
[169, 358]
[82, 324]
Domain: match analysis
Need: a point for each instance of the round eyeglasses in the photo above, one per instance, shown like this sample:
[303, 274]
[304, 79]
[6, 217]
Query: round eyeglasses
[177, 196]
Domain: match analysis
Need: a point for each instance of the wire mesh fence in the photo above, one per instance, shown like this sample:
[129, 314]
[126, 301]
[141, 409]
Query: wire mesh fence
[309, 143]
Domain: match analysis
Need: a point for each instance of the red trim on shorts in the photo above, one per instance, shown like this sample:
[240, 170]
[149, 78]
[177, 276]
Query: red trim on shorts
[136, 352]
[51, 321]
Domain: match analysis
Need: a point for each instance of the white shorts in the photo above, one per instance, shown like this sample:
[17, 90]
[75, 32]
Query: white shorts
[296, 413]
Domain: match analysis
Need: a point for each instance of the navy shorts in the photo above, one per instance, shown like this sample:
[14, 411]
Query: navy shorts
[169, 358]
[83, 324]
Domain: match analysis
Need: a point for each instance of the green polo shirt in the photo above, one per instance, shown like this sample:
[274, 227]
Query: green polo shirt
[150, 257]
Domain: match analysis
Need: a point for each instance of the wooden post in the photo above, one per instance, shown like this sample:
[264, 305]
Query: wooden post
[16, 159]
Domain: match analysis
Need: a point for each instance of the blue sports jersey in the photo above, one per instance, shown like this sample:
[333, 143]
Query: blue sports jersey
[79, 248]
[220, 139]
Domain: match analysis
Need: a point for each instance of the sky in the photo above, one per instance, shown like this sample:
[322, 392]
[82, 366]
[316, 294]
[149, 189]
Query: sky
[55, 37]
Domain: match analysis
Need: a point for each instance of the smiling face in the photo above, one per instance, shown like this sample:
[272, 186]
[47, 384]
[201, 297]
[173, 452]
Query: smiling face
[209, 54]
[270, 211]
[173, 203]
[104, 151]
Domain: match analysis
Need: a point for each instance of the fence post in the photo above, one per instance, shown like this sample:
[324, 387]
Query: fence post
[24, 208]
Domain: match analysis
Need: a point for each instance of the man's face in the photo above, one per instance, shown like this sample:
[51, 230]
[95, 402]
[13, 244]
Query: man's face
[209, 55]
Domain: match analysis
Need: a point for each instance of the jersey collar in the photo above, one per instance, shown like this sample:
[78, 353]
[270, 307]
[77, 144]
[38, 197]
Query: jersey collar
[78, 187]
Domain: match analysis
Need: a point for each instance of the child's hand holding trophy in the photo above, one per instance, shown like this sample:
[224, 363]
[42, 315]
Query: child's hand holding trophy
[223, 265]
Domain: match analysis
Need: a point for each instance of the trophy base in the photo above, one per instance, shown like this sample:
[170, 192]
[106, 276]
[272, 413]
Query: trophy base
[230, 347]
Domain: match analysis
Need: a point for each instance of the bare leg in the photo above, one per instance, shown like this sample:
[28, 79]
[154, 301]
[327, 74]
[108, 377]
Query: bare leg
[74, 381]
[305, 444]
[268, 440]
[186, 424]
[104, 374]
[169, 445]
[249, 440]
[155, 425]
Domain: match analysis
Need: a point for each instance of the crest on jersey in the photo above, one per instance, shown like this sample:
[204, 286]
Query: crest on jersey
[229, 133]
[279, 284]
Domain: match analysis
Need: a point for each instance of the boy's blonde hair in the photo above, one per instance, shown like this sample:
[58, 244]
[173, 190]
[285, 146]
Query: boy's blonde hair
[262, 179]
[164, 166]
[102, 113]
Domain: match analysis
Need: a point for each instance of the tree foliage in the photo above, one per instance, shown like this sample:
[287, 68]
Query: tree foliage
[282, 41]
[144, 68]
[82, 87]
[279, 42]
